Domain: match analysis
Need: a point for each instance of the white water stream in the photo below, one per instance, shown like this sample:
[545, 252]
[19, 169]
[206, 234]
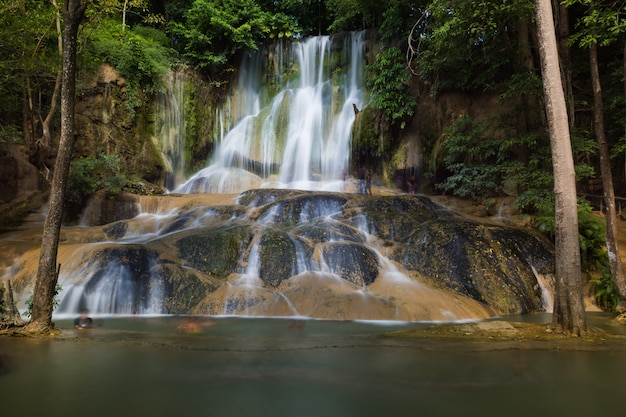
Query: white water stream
[298, 138]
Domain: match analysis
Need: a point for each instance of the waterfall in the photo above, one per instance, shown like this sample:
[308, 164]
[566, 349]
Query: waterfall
[170, 132]
[121, 282]
[298, 137]
[546, 291]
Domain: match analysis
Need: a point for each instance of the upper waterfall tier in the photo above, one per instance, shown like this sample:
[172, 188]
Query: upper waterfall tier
[288, 123]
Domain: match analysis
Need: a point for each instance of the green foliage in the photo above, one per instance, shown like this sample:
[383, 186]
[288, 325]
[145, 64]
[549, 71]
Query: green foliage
[210, 33]
[388, 86]
[356, 14]
[485, 157]
[470, 45]
[280, 26]
[399, 16]
[30, 57]
[606, 293]
[591, 232]
[311, 16]
[88, 175]
[10, 134]
[594, 258]
[141, 56]
[474, 159]
[602, 24]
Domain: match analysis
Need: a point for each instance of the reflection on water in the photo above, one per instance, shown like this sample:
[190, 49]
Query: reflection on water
[273, 367]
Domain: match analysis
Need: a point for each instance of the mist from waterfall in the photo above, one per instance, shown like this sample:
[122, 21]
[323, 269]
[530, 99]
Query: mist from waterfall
[299, 137]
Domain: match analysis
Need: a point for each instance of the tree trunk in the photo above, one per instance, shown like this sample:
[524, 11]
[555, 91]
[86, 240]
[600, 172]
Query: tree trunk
[608, 193]
[45, 284]
[46, 140]
[9, 315]
[565, 60]
[569, 311]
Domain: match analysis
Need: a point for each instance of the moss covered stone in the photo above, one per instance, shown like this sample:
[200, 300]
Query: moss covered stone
[352, 262]
[215, 251]
[277, 257]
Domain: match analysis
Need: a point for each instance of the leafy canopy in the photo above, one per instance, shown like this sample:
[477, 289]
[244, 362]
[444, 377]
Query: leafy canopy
[141, 55]
[388, 85]
[210, 33]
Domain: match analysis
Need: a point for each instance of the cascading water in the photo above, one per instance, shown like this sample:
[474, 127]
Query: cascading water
[115, 288]
[170, 132]
[279, 251]
[300, 136]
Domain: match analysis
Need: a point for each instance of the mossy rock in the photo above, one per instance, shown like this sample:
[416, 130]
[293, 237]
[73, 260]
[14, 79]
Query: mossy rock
[278, 258]
[116, 230]
[324, 230]
[216, 251]
[398, 217]
[301, 208]
[492, 264]
[187, 289]
[352, 262]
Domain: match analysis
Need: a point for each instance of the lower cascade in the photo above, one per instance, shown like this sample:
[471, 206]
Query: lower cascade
[278, 252]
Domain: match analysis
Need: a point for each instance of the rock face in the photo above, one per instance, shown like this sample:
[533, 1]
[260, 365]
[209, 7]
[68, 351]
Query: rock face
[105, 124]
[19, 178]
[284, 252]
[319, 254]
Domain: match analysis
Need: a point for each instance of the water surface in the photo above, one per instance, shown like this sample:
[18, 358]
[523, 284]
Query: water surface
[287, 368]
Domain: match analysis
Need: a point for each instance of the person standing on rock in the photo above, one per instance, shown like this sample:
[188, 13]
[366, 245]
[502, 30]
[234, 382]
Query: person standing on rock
[368, 182]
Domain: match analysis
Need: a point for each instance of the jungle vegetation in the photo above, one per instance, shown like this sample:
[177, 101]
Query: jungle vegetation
[472, 47]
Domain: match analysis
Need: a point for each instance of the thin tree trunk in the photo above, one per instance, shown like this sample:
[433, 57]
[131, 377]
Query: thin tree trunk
[124, 15]
[617, 270]
[11, 316]
[46, 139]
[624, 75]
[45, 284]
[569, 311]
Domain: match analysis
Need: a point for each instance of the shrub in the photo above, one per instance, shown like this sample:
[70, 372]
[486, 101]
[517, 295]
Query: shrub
[88, 175]
[141, 55]
[388, 85]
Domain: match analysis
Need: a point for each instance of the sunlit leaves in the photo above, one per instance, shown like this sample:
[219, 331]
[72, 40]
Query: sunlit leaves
[603, 22]
[141, 55]
[212, 32]
[470, 44]
[388, 85]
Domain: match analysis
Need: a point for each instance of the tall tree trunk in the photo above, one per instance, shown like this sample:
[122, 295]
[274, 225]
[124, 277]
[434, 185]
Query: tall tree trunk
[624, 75]
[45, 284]
[617, 270]
[569, 310]
[565, 59]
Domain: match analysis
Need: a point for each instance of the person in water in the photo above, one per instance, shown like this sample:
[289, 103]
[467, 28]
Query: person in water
[193, 325]
[83, 321]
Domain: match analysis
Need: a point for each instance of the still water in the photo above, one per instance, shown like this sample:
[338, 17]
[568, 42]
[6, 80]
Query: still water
[285, 368]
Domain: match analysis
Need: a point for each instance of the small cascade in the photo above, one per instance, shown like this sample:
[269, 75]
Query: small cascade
[547, 299]
[119, 282]
[297, 138]
[170, 132]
